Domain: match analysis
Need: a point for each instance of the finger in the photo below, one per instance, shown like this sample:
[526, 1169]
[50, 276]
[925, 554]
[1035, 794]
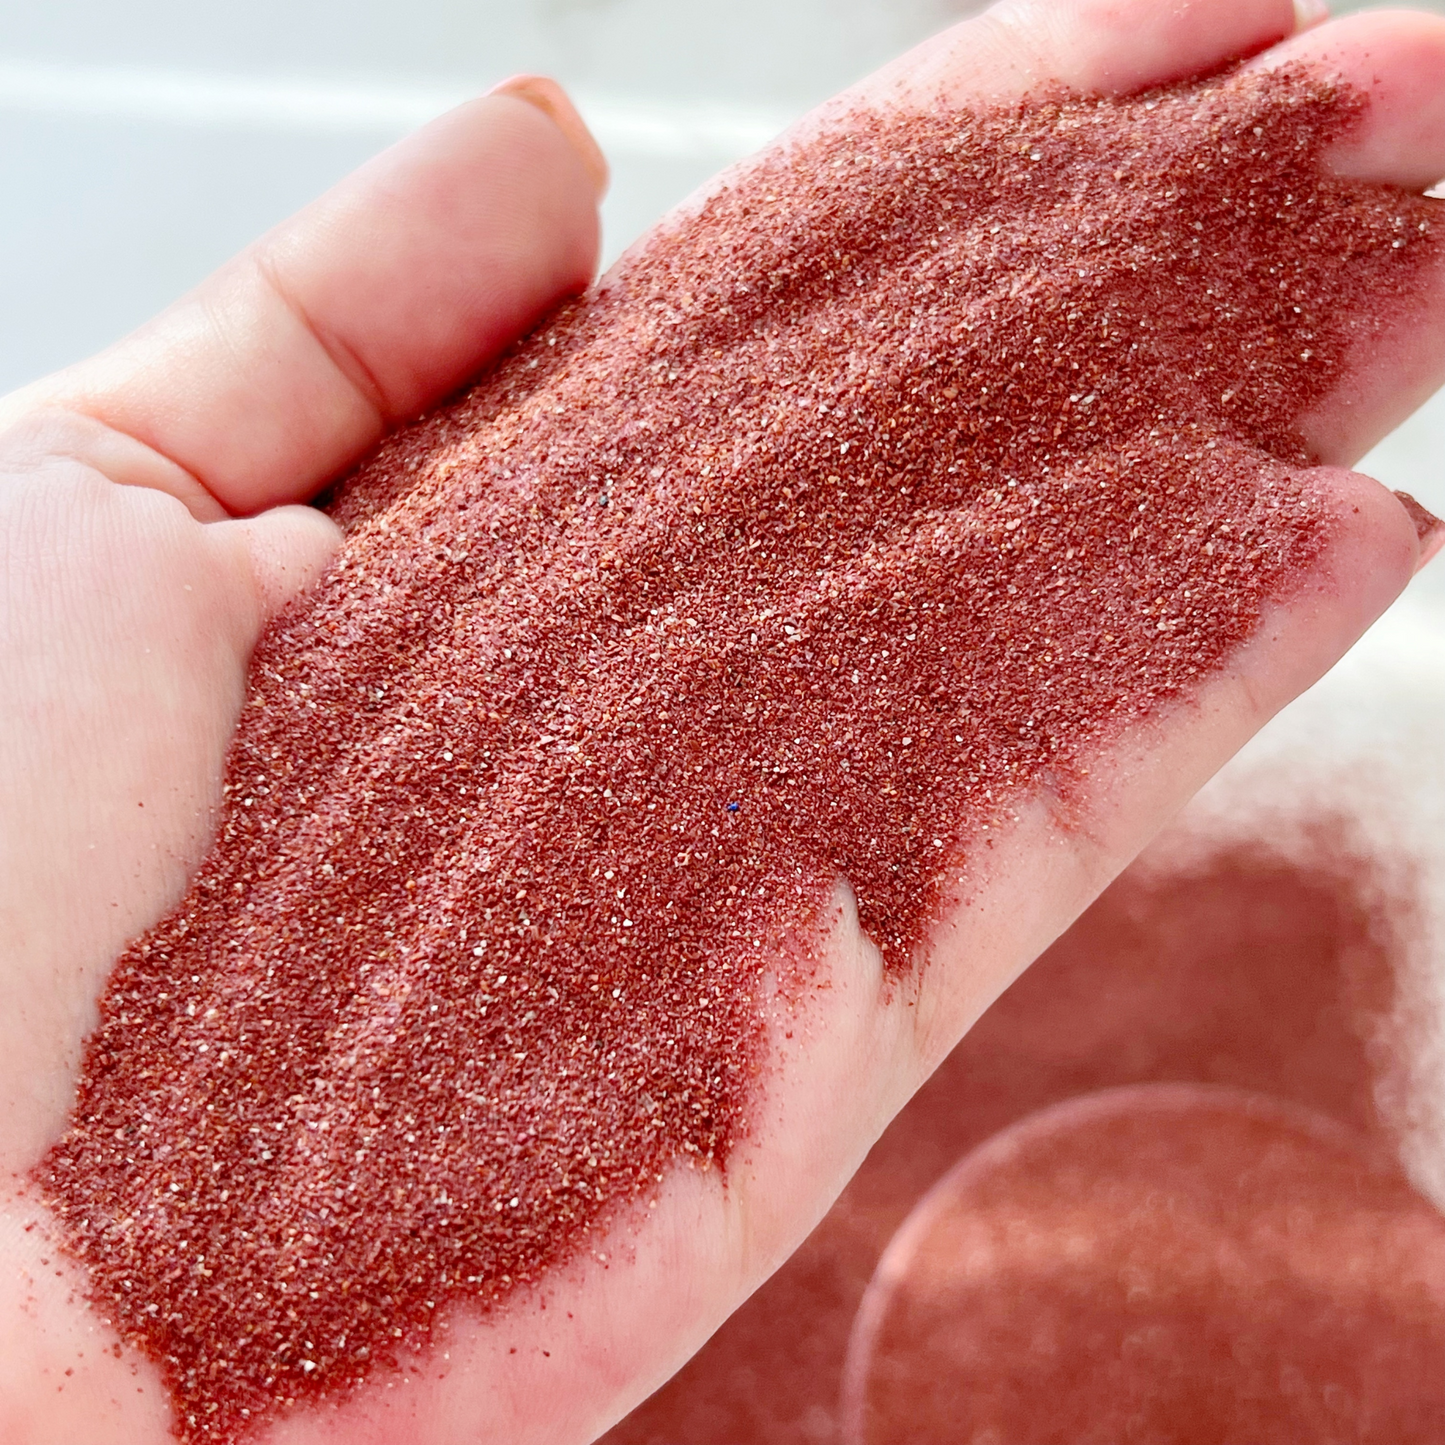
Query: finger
[1114, 47]
[552, 101]
[56, 432]
[1431, 531]
[1145, 778]
[1110, 46]
[294, 359]
[285, 549]
[1396, 60]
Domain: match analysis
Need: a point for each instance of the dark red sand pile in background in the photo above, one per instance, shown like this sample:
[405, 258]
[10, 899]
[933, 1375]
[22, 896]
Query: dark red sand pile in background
[1171, 1264]
[886, 486]
[1271, 967]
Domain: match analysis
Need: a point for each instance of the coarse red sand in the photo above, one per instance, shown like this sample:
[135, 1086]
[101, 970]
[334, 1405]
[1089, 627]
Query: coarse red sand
[890, 484]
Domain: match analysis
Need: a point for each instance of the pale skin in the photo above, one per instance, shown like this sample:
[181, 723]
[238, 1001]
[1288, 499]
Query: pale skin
[149, 528]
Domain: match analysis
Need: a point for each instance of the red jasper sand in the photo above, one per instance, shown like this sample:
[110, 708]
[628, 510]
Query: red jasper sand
[887, 486]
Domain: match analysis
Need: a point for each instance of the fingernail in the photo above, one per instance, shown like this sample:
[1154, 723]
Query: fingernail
[1428, 528]
[553, 102]
[1309, 13]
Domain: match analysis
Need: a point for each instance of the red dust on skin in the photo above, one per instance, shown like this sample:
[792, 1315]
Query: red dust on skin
[1428, 527]
[1269, 967]
[911, 468]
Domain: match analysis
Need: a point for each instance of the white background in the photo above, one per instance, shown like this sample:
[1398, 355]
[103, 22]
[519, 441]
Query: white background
[142, 141]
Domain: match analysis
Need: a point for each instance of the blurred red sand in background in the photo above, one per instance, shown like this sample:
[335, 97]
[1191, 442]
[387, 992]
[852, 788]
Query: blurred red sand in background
[1172, 1263]
[1268, 968]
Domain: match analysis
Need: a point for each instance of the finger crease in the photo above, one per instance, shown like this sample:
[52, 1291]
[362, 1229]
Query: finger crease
[344, 358]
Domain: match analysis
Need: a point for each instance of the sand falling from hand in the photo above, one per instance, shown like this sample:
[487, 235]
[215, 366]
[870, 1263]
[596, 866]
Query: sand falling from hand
[896, 479]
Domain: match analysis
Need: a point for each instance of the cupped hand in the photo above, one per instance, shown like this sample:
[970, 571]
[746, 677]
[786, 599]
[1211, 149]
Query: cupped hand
[148, 531]
[149, 527]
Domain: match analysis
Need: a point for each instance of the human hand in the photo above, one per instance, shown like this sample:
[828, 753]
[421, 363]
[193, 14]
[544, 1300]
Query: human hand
[148, 531]
[818, 1121]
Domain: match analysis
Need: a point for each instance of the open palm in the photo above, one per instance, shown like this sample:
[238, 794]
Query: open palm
[147, 533]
